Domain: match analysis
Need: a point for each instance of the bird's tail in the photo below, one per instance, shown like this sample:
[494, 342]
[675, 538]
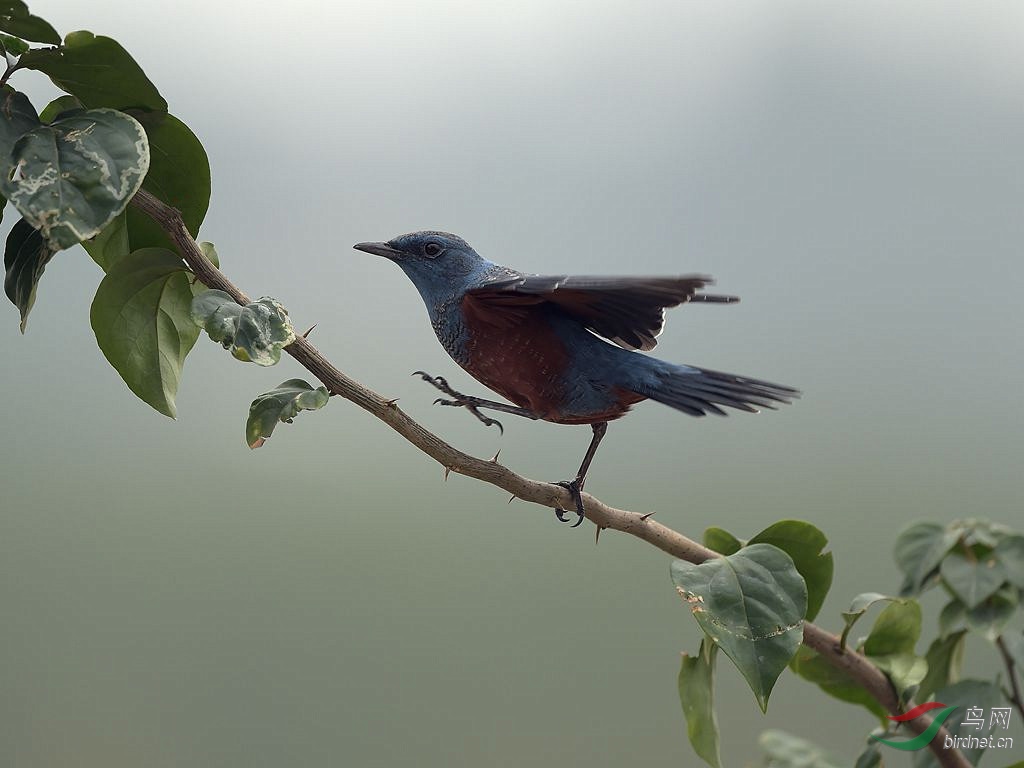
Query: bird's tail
[699, 391]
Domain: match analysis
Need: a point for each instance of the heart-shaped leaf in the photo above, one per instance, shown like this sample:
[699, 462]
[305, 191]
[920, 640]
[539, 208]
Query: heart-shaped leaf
[25, 258]
[98, 71]
[141, 319]
[971, 579]
[255, 333]
[74, 176]
[751, 604]
[1010, 553]
[697, 696]
[282, 403]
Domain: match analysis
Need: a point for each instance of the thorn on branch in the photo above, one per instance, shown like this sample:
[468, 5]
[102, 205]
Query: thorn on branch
[306, 334]
[494, 458]
[391, 403]
[647, 516]
[447, 471]
[512, 498]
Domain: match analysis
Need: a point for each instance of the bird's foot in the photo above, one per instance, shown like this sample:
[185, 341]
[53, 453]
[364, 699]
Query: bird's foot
[471, 404]
[575, 487]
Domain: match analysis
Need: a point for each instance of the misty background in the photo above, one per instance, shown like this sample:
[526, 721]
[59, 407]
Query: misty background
[853, 171]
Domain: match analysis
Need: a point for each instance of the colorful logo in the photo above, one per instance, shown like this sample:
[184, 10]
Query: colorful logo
[923, 739]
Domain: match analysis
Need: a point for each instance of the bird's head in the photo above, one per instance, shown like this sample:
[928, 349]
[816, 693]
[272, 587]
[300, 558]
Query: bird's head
[438, 263]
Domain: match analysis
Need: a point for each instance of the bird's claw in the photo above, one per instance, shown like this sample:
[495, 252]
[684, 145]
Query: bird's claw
[575, 487]
[460, 400]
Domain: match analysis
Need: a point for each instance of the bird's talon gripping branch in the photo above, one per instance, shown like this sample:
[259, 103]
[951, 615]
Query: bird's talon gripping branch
[575, 487]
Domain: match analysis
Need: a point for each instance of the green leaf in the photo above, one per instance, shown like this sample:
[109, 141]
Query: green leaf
[919, 550]
[179, 174]
[697, 696]
[211, 253]
[15, 18]
[896, 629]
[74, 176]
[98, 71]
[994, 613]
[952, 617]
[12, 45]
[784, 750]
[1013, 640]
[254, 333]
[835, 682]
[803, 542]
[905, 670]
[25, 258]
[858, 606]
[721, 541]
[58, 107]
[970, 579]
[751, 604]
[967, 693]
[871, 757]
[141, 319]
[1010, 553]
[111, 244]
[282, 403]
[17, 117]
[945, 659]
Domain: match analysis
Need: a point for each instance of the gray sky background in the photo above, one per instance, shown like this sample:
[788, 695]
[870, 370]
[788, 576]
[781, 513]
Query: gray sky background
[853, 171]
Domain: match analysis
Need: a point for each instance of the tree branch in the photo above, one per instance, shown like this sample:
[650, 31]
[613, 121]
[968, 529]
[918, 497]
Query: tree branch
[856, 665]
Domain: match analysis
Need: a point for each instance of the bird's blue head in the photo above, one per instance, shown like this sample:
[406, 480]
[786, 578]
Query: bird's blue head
[438, 263]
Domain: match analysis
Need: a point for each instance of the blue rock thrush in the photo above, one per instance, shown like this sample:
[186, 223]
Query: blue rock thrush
[534, 340]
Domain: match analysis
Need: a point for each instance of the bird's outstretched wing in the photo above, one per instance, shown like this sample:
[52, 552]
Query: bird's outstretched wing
[629, 311]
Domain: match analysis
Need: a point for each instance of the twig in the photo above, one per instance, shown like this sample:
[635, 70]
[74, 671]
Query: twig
[1011, 672]
[643, 527]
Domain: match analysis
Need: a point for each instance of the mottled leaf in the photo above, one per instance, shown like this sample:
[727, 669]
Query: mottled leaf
[75, 175]
[281, 404]
[98, 71]
[16, 19]
[945, 659]
[254, 333]
[25, 258]
[697, 696]
[141, 319]
[804, 543]
[721, 541]
[751, 604]
[784, 750]
[918, 551]
[970, 579]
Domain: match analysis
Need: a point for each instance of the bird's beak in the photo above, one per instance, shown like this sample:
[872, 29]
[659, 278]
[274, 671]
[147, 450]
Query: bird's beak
[378, 249]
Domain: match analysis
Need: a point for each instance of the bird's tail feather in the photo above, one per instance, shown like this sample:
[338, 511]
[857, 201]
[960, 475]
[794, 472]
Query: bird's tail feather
[699, 391]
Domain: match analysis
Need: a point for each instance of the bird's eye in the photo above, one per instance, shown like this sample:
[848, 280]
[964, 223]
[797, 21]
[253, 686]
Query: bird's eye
[432, 250]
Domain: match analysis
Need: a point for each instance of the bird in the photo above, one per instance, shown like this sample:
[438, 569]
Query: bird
[563, 348]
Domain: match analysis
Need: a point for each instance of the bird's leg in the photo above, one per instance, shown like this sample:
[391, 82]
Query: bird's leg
[575, 487]
[474, 404]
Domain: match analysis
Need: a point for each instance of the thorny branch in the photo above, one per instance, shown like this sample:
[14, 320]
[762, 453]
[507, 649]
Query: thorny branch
[856, 665]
